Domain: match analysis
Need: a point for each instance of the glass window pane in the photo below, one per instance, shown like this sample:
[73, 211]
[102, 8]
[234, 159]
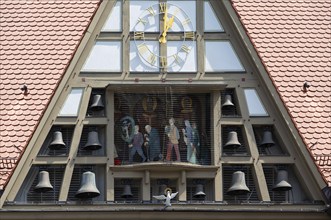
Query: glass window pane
[221, 57]
[138, 9]
[210, 19]
[189, 7]
[254, 104]
[142, 62]
[72, 103]
[114, 21]
[179, 60]
[105, 56]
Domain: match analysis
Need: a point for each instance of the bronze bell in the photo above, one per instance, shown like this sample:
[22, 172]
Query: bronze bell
[227, 101]
[44, 184]
[282, 183]
[97, 104]
[127, 192]
[92, 141]
[267, 139]
[88, 187]
[238, 186]
[57, 142]
[199, 193]
[232, 140]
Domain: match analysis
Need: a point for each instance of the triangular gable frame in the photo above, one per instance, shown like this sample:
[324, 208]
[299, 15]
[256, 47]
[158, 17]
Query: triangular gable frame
[304, 160]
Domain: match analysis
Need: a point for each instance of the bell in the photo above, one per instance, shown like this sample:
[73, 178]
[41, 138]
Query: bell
[57, 142]
[92, 141]
[127, 192]
[232, 140]
[97, 104]
[199, 193]
[238, 186]
[44, 184]
[267, 139]
[227, 101]
[88, 187]
[282, 183]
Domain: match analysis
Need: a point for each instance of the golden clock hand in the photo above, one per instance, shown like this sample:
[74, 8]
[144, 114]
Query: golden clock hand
[165, 19]
[169, 24]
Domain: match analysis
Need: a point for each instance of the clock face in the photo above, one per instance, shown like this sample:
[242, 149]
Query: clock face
[163, 36]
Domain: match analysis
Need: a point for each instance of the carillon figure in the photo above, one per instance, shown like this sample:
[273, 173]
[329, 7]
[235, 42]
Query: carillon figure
[136, 145]
[188, 139]
[173, 135]
[152, 143]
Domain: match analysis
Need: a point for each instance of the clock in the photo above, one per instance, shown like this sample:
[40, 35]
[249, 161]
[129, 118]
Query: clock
[164, 36]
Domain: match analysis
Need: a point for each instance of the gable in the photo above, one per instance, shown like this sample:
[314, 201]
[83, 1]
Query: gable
[218, 99]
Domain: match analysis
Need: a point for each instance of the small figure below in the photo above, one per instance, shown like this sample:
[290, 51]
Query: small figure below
[136, 145]
[173, 135]
[167, 197]
[152, 143]
[188, 139]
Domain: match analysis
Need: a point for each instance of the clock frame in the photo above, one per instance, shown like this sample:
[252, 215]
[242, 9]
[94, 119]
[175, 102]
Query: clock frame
[176, 34]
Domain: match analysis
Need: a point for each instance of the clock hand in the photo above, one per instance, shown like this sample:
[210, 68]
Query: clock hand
[165, 19]
[168, 25]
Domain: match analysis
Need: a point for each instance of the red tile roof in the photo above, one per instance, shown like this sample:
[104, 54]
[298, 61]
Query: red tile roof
[38, 39]
[293, 40]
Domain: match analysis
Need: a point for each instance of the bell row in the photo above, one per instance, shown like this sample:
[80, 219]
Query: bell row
[229, 106]
[88, 188]
[232, 139]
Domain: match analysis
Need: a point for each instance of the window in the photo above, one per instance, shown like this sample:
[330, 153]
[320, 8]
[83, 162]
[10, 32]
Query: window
[211, 22]
[148, 60]
[190, 64]
[221, 57]
[137, 10]
[72, 103]
[104, 57]
[114, 21]
[254, 104]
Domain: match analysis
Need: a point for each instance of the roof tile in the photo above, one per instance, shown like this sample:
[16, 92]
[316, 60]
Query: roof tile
[37, 41]
[294, 37]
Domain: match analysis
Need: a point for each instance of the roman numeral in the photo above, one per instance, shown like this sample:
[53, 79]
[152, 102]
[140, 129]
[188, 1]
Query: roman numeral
[138, 35]
[152, 59]
[151, 11]
[186, 21]
[189, 35]
[163, 62]
[178, 60]
[142, 48]
[185, 48]
[143, 21]
[163, 7]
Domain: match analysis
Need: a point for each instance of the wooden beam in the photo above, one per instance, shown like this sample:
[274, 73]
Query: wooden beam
[74, 146]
